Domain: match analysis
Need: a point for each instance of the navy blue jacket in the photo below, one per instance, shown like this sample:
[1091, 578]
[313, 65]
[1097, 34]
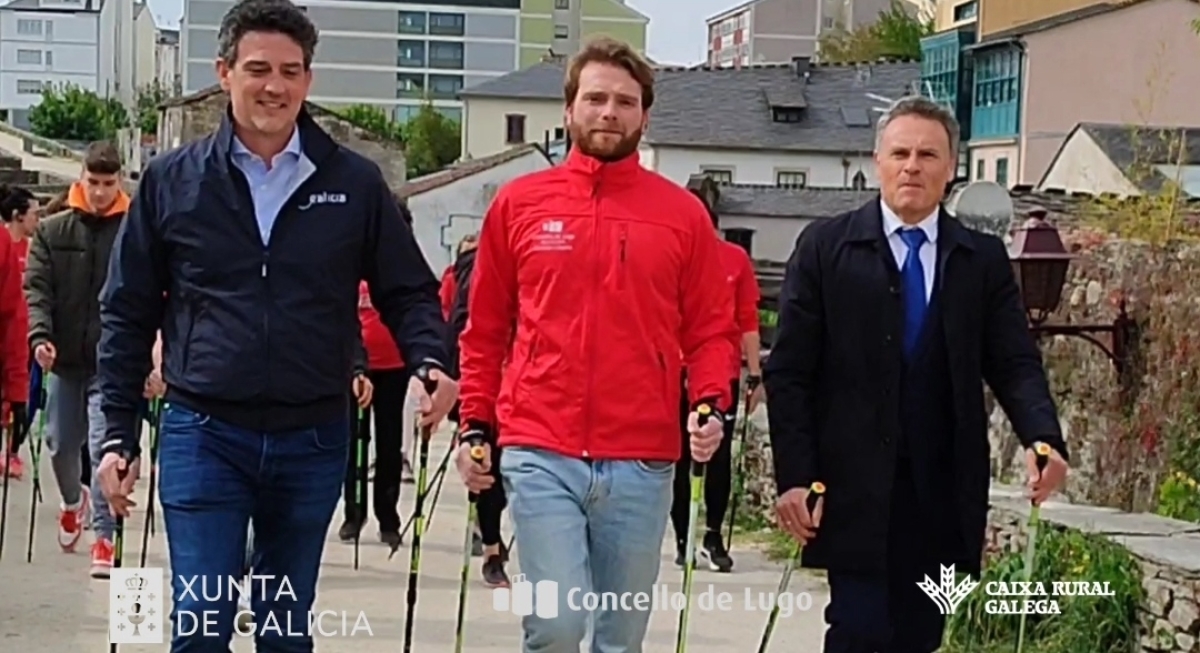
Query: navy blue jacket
[261, 337]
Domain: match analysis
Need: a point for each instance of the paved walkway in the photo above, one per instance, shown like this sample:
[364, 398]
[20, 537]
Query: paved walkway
[51, 606]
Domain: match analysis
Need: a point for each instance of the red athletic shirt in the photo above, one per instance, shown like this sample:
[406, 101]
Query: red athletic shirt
[382, 352]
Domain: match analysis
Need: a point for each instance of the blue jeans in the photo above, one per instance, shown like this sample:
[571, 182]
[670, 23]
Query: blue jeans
[216, 480]
[73, 419]
[597, 526]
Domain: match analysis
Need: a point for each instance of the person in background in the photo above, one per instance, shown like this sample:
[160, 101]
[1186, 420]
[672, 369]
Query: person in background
[68, 263]
[20, 212]
[385, 373]
[490, 503]
[718, 473]
[891, 319]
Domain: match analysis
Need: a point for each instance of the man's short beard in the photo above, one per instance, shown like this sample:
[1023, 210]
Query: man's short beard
[626, 146]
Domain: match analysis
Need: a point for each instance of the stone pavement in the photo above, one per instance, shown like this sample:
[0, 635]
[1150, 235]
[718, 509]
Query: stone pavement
[52, 606]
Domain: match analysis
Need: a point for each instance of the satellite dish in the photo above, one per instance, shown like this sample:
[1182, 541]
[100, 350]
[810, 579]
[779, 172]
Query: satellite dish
[983, 205]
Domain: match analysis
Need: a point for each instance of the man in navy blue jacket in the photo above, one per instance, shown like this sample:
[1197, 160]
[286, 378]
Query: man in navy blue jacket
[247, 248]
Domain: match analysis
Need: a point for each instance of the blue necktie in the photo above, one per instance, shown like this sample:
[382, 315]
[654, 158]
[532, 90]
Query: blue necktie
[912, 278]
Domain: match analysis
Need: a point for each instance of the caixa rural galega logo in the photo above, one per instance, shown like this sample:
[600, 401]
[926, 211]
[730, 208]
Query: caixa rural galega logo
[1008, 597]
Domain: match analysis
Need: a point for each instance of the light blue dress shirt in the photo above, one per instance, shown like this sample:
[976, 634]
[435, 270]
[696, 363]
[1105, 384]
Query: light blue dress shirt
[271, 186]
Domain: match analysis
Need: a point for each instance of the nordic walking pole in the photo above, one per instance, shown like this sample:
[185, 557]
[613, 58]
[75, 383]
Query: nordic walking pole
[37, 403]
[478, 454]
[8, 442]
[436, 481]
[360, 480]
[697, 492]
[737, 466]
[155, 412]
[815, 491]
[414, 567]
[119, 542]
[1041, 451]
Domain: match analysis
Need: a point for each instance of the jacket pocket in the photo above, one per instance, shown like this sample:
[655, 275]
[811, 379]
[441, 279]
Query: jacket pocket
[666, 383]
[189, 326]
[520, 387]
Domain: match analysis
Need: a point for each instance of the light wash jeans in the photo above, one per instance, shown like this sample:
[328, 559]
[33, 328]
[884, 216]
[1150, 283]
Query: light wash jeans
[597, 526]
[73, 417]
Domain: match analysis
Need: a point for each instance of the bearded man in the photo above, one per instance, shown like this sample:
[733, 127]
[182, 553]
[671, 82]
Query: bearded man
[595, 282]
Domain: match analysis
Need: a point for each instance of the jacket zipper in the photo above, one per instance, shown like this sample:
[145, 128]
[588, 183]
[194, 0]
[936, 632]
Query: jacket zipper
[91, 263]
[597, 280]
[624, 239]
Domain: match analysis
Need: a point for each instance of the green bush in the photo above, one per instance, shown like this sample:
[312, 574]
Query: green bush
[1087, 624]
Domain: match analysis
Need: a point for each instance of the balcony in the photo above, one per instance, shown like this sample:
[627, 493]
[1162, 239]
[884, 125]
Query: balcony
[996, 99]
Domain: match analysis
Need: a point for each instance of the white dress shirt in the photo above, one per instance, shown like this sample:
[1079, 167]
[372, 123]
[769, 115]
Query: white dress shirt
[892, 224]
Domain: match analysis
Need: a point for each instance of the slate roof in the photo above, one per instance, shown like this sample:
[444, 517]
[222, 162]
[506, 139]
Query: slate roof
[730, 108]
[772, 201]
[1136, 150]
[465, 169]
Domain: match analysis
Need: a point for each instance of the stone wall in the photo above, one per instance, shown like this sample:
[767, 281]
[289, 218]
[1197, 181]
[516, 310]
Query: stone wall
[190, 117]
[1167, 550]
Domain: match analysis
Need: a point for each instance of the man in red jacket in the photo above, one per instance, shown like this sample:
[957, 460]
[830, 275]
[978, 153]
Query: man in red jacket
[718, 476]
[14, 366]
[591, 279]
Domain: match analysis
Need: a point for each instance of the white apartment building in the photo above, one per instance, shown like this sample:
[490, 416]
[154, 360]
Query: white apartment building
[46, 42]
[167, 64]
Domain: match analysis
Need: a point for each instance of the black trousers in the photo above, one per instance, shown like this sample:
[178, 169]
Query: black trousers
[718, 473]
[888, 613]
[490, 504]
[387, 407]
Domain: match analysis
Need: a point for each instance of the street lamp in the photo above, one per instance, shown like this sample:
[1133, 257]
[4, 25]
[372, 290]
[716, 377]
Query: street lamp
[1040, 262]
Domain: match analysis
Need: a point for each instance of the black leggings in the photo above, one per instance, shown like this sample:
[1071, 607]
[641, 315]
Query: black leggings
[718, 473]
[490, 504]
[391, 388]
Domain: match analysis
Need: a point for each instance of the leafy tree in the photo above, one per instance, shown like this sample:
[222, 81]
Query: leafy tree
[149, 98]
[895, 34]
[72, 113]
[374, 120]
[432, 141]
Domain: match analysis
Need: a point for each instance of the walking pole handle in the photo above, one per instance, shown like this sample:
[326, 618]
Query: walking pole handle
[704, 412]
[1041, 452]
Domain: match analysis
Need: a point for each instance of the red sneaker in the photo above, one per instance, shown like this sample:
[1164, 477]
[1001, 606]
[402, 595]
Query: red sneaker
[71, 521]
[14, 466]
[102, 558]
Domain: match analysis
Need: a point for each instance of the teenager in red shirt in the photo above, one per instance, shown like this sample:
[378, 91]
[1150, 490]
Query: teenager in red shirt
[20, 211]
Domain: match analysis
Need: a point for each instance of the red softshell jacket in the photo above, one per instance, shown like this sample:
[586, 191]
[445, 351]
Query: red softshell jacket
[14, 324]
[739, 273]
[606, 272]
[382, 352]
[447, 291]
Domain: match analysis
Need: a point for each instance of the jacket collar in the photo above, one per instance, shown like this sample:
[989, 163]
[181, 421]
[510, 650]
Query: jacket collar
[594, 172]
[314, 141]
[867, 225]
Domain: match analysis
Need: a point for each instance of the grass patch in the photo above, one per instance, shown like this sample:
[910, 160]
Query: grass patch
[1087, 624]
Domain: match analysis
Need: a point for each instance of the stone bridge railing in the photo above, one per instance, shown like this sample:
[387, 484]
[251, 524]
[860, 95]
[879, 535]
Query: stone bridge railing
[1167, 550]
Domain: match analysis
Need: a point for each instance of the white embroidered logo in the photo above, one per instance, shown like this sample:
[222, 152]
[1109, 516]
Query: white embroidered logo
[323, 198]
[553, 238]
[552, 226]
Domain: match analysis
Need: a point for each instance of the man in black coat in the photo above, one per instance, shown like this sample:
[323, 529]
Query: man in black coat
[875, 389]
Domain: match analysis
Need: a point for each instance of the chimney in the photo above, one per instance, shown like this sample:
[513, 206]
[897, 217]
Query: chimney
[800, 65]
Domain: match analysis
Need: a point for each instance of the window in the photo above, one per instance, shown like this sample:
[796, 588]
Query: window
[29, 57]
[787, 114]
[562, 32]
[980, 170]
[562, 4]
[453, 113]
[29, 27]
[410, 54]
[719, 175]
[1002, 171]
[791, 178]
[446, 55]
[514, 129]
[447, 24]
[966, 11]
[859, 182]
[741, 237]
[410, 85]
[406, 112]
[412, 22]
[559, 133]
[49, 57]
[30, 86]
[445, 87]
[994, 111]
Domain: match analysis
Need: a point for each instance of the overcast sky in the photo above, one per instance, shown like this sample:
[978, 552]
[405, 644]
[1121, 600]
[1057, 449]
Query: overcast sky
[676, 33]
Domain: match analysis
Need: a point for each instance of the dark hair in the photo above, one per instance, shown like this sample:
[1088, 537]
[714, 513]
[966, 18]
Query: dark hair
[102, 158]
[607, 50]
[278, 16]
[14, 201]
